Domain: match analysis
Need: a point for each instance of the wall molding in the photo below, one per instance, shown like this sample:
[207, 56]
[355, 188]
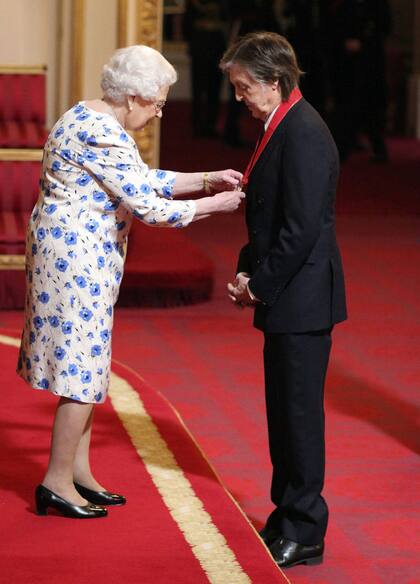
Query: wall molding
[149, 19]
[77, 49]
[12, 262]
[122, 34]
[23, 69]
[21, 154]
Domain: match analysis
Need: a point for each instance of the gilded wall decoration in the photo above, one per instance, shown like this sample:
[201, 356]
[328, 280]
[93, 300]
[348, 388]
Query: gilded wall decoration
[149, 14]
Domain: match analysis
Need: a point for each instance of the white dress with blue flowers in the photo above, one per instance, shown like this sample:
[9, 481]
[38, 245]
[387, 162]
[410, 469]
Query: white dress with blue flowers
[93, 182]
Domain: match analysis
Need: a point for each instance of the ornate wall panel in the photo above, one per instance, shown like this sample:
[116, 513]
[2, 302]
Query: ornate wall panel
[149, 15]
[149, 23]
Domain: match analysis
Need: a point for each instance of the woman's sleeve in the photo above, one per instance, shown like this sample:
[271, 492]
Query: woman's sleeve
[162, 181]
[114, 164]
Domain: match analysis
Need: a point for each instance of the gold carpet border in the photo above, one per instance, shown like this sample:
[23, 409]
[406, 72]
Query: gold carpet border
[208, 545]
[228, 493]
[217, 476]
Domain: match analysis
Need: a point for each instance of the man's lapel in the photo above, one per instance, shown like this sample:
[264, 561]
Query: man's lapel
[276, 139]
[265, 155]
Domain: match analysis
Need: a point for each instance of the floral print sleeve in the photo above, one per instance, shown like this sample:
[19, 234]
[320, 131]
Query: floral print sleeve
[162, 181]
[110, 157]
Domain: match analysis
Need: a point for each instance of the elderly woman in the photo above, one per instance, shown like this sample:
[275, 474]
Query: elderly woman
[93, 182]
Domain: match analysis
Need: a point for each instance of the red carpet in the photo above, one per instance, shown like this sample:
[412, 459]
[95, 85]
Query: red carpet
[372, 388]
[213, 373]
[206, 359]
[151, 539]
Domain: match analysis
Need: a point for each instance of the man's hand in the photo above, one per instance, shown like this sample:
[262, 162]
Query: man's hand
[238, 291]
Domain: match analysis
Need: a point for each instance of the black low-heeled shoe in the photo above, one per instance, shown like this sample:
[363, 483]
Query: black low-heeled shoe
[100, 497]
[44, 498]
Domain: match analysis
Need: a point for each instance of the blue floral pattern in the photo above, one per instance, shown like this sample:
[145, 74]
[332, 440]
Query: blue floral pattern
[93, 182]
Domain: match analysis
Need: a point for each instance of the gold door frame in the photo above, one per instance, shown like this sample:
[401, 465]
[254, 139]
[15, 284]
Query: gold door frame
[77, 50]
[148, 18]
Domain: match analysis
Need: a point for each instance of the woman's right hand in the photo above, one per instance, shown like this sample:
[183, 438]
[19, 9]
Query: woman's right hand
[227, 201]
[224, 202]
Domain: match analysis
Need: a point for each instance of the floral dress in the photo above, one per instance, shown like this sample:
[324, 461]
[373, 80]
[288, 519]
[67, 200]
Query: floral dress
[93, 182]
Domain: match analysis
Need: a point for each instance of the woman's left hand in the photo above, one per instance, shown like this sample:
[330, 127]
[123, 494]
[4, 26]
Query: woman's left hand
[224, 180]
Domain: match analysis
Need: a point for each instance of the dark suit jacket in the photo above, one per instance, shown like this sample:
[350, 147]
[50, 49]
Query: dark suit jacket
[292, 253]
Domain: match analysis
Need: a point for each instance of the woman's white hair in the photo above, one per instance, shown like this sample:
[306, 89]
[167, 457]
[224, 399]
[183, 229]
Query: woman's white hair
[136, 70]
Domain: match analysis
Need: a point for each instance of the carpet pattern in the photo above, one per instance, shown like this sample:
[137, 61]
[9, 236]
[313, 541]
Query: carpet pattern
[196, 516]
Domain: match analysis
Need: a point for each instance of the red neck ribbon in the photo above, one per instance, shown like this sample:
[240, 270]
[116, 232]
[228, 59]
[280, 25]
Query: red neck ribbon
[281, 112]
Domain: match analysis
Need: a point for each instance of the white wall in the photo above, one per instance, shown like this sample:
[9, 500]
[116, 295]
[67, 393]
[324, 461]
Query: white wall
[24, 34]
[38, 32]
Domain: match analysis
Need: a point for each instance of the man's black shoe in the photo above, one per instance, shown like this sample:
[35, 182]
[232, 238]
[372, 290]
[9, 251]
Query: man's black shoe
[288, 553]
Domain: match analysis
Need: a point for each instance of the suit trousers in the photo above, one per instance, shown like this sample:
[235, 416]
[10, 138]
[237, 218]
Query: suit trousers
[295, 367]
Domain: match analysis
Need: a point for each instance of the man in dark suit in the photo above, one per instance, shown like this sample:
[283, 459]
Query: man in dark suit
[290, 270]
